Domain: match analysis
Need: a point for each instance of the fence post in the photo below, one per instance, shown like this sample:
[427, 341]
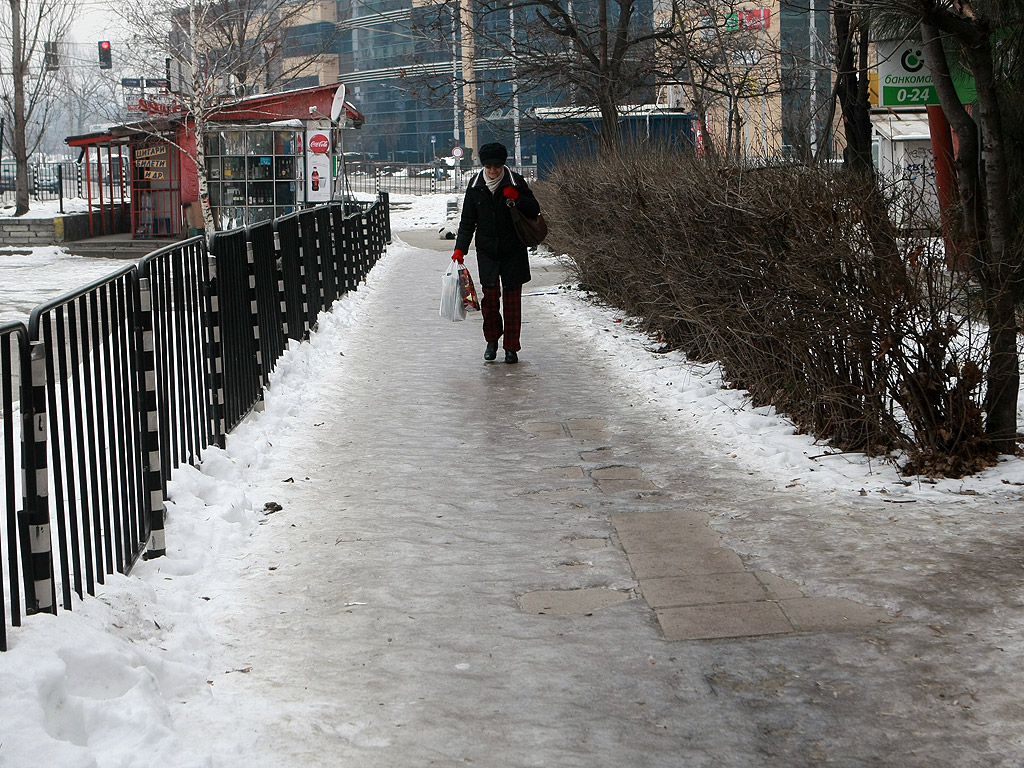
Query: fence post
[281, 293]
[216, 357]
[40, 594]
[156, 546]
[385, 200]
[254, 308]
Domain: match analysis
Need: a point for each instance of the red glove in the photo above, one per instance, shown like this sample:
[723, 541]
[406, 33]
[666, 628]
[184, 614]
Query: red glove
[511, 193]
[458, 256]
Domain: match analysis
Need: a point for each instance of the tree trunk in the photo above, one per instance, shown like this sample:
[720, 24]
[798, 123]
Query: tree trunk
[198, 111]
[20, 143]
[1003, 383]
[209, 225]
[609, 121]
[855, 110]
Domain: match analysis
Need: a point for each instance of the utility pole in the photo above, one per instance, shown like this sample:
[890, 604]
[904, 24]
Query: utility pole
[469, 74]
[455, 74]
[18, 68]
[515, 86]
[813, 45]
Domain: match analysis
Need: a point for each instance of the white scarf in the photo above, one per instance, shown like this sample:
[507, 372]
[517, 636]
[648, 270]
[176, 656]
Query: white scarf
[492, 184]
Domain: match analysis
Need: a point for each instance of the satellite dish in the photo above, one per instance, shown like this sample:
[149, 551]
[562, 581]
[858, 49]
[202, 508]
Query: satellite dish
[338, 105]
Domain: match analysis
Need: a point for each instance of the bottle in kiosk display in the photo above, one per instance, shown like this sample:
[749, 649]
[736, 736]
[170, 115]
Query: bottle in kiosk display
[315, 180]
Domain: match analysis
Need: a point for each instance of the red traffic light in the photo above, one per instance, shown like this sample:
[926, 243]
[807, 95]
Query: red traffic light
[104, 51]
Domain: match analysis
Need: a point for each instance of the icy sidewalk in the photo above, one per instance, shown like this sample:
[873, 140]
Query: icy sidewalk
[413, 558]
[445, 583]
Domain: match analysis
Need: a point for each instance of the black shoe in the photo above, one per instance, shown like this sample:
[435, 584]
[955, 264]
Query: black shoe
[511, 357]
[492, 350]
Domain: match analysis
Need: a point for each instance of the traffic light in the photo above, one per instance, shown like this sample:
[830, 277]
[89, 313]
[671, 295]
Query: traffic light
[104, 48]
[50, 60]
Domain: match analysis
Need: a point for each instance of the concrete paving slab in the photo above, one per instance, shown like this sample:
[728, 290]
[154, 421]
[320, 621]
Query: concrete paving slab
[617, 473]
[702, 590]
[669, 539]
[711, 622]
[779, 588]
[673, 564]
[556, 494]
[588, 435]
[593, 425]
[589, 543]
[564, 472]
[660, 520]
[571, 601]
[829, 613]
[598, 454]
[544, 429]
[621, 486]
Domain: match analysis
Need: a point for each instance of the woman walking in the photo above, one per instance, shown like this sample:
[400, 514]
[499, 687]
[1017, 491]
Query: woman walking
[502, 259]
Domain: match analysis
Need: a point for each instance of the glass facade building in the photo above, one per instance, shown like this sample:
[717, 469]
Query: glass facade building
[398, 60]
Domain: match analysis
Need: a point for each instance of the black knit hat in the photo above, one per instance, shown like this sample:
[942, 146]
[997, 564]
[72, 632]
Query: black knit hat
[493, 154]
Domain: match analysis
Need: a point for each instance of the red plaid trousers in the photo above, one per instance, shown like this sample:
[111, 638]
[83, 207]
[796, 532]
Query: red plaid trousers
[491, 307]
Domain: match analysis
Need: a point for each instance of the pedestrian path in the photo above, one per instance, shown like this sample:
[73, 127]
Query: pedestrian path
[512, 565]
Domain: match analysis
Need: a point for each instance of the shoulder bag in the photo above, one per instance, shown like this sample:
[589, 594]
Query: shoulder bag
[531, 232]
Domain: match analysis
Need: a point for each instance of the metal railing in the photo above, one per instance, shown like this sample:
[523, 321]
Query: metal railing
[416, 179]
[68, 179]
[111, 387]
[89, 342]
[14, 361]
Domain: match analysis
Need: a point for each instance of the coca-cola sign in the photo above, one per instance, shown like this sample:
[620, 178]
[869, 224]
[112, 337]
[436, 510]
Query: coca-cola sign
[319, 143]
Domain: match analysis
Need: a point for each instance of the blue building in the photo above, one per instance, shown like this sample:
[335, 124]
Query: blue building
[398, 60]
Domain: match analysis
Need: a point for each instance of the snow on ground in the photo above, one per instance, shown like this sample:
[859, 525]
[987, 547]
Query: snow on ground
[28, 277]
[46, 209]
[95, 686]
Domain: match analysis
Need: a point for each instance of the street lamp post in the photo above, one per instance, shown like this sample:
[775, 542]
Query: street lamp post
[515, 85]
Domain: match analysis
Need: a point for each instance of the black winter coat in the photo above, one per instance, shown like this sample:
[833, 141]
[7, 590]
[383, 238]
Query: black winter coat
[498, 249]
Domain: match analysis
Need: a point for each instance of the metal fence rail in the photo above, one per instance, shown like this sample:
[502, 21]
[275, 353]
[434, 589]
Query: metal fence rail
[177, 278]
[14, 360]
[91, 348]
[416, 179]
[69, 178]
[113, 386]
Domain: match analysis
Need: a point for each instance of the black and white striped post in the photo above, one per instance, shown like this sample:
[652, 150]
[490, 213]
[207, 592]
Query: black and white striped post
[385, 201]
[282, 295]
[303, 245]
[216, 359]
[156, 546]
[37, 507]
[254, 311]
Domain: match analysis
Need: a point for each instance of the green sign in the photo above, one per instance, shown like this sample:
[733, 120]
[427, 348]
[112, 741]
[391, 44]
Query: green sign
[904, 79]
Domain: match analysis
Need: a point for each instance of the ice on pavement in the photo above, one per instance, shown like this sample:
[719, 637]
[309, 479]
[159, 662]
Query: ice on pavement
[168, 666]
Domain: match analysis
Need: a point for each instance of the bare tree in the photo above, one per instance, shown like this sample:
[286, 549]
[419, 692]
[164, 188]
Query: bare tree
[595, 54]
[223, 50]
[726, 62]
[87, 96]
[984, 39]
[26, 90]
[997, 257]
[851, 89]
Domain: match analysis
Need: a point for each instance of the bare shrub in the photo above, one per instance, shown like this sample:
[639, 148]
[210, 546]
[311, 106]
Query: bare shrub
[790, 278]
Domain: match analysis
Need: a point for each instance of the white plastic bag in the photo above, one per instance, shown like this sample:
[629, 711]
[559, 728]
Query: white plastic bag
[452, 307]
